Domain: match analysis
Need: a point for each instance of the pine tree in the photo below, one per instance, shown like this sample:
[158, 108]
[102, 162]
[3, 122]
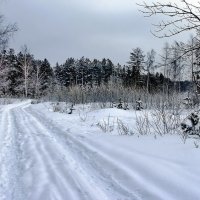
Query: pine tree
[58, 74]
[13, 73]
[107, 69]
[69, 72]
[4, 71]
[135, 66]
[97, 72]
[43, 74]
[82, 72]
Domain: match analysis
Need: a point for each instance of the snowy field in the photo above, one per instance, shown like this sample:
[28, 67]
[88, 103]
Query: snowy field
[47, 155]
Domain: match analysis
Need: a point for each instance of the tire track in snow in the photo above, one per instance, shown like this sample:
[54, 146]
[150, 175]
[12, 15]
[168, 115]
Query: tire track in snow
[32, 155]
[4, 148]
[93, 171]
[155, 181]
[139, 176]
[10, 168]
[64, 176]
[56, 182]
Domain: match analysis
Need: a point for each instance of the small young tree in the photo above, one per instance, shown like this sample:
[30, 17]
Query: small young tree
[191, 126]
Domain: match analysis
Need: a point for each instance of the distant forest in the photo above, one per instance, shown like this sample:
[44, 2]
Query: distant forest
[23, 75]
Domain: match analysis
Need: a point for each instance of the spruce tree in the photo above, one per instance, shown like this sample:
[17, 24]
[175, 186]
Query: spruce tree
[135, 65]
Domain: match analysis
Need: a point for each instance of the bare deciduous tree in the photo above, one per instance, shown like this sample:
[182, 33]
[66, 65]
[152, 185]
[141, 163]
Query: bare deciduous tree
[26, 66]
[6, 31]
[149, 65]
[177, 18]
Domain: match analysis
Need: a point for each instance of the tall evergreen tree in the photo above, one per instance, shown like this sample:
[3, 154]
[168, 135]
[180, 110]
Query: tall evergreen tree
[135, 66]
[13, 73]
[97, 72]
[43, 74]
[107, 69]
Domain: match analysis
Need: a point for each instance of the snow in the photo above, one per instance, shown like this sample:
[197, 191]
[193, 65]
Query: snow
[48, 155]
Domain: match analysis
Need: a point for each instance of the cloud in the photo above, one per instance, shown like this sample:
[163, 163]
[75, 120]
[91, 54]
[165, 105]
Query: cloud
[91, 28]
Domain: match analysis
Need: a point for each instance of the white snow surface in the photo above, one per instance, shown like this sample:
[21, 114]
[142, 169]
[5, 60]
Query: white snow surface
[56, 156]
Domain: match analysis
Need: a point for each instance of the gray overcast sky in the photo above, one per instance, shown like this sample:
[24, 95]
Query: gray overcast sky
[58, 29]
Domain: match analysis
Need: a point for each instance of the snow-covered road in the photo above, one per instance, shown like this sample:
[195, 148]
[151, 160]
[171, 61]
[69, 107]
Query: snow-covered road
[39, 160]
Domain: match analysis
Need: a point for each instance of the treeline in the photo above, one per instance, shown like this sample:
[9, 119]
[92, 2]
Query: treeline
[23, 75]
[84, 72]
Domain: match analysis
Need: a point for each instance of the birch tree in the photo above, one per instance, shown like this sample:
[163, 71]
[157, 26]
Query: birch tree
[25, 62]
[149, 65]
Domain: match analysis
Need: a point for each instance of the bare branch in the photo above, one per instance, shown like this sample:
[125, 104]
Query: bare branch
[178, 18]
[6, 32]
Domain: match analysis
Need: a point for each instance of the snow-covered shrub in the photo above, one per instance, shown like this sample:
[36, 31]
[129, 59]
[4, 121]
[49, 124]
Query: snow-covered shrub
[120, 104]
[106, 125]
[196, 145]
[105, 95]
[125, 107]
[110, 124]
[187, 102]
[122, 128]
[71, 109]
[62, 107]
[113, 105]
[139, 104]
[83, 116]
[157, 122]
[56, 107]
[195, 98]
[191, 125]
[143, 123]
[5, 101]
[36, 101]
